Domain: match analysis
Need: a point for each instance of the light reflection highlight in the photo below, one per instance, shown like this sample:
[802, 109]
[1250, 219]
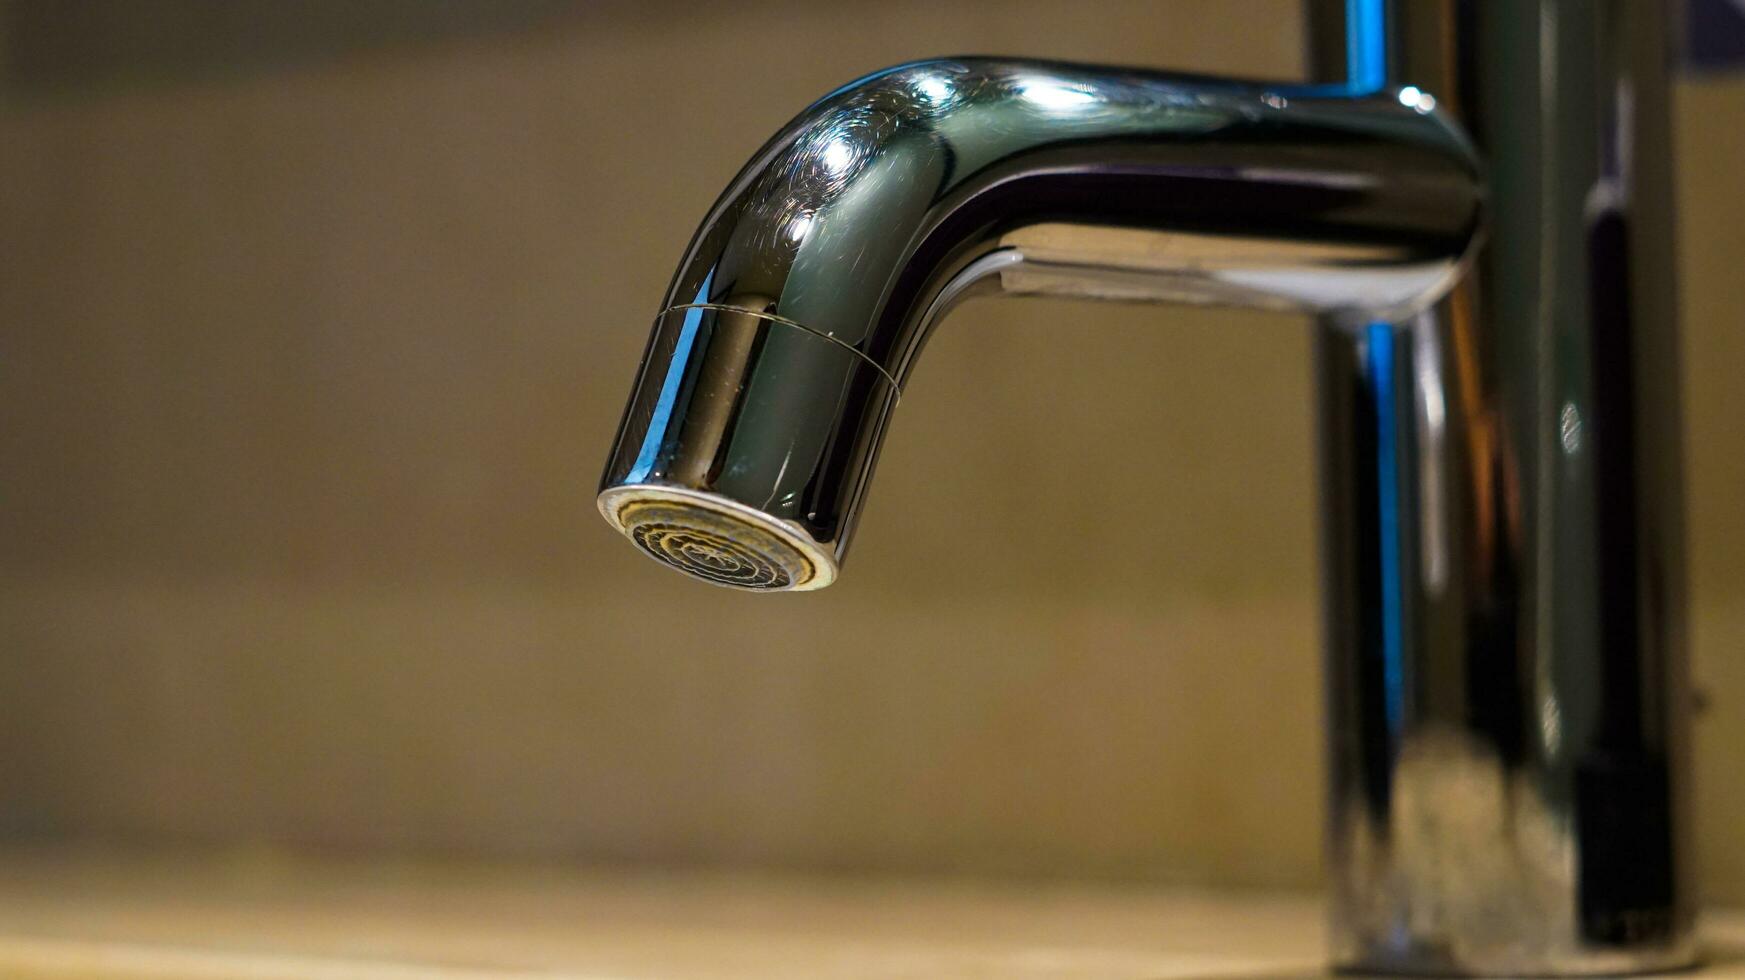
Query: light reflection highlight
[1413, 97]
[1569, 428]
[933, 88]
[1049, 93]
[837, 156]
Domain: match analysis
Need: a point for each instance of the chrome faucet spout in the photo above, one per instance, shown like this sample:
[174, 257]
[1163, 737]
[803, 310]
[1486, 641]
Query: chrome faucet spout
[804, 298]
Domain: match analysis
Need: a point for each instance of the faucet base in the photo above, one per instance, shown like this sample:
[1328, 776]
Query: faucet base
[1575, 965]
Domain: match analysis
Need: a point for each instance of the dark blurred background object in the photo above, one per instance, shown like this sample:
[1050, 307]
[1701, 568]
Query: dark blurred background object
[301, 420]
[1714, 34]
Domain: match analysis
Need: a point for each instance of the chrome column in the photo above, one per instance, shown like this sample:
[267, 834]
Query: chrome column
[1502, 520]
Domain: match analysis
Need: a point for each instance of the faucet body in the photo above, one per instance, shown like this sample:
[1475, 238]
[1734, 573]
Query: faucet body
[1502, 520]
[1498, 422]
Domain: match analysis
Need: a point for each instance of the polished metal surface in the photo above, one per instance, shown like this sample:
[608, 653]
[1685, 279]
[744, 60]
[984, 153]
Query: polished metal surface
[1500, 481]
[800, 305]
[1507, 696]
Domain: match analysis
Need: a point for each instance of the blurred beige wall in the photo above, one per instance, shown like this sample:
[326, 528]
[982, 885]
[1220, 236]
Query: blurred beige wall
[310, 357]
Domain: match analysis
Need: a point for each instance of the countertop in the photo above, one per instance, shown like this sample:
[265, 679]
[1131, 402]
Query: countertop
[263, 915]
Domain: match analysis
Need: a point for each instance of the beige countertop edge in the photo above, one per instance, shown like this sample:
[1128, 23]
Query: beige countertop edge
[262, 916]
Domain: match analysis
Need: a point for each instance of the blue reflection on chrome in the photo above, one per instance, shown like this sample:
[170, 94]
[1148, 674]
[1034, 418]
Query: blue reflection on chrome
[1366, 62]
[1388, 490]
[669, 386]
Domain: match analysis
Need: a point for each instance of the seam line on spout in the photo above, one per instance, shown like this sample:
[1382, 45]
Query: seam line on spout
[798, 326]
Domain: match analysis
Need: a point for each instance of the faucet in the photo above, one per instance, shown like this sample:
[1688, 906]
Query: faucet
[1474, 209]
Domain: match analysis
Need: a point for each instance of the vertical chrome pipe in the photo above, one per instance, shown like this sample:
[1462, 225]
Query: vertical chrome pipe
[1502, 521]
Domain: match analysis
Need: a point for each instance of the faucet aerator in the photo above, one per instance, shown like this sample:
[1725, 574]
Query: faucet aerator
[718, 540]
